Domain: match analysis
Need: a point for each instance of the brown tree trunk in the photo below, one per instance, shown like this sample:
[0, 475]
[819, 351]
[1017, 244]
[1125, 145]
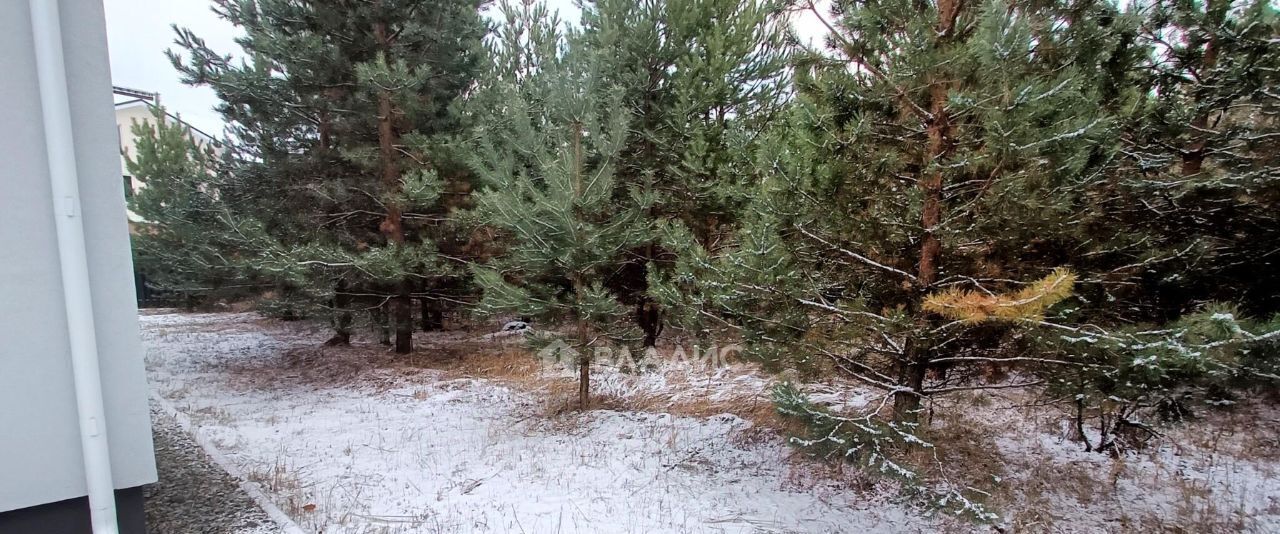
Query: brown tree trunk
[916, 358]
[435, 318]
[380, 321]
[1193, 155]
[341, 300]
[424, 314]
[584, 354]
[709, 233]
[584, 357]
[326, 131]
[650, 323]
[403, 307]
[584, 376]
[432, 315]
[939, 132]
[906, 404]
[1088, 447]
[392, 227]
[649, 317]
[931, 187]
[341, 316]
[584, 367]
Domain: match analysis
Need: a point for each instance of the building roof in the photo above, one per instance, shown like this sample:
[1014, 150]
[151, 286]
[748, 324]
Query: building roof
[141, 102]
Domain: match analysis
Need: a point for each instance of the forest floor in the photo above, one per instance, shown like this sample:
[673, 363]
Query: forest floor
[474, 435]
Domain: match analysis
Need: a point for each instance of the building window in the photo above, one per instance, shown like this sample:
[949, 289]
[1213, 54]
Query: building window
[128, 187]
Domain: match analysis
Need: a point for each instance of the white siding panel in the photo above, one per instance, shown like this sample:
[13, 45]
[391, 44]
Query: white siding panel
[39, 446]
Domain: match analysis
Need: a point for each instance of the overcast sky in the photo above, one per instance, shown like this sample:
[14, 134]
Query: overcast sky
[138, 32]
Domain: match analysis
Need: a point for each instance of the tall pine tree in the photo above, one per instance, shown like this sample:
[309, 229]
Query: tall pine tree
[701, 78]
[1199, 172]
[173, 245]
[343, 113]
[547, 153]
[934, 150]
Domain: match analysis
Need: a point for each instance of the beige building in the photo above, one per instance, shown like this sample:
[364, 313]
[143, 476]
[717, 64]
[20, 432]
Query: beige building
[138, 106]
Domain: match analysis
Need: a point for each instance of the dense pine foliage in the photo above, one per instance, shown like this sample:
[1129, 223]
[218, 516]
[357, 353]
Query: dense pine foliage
[1081, 197]
[340, 177]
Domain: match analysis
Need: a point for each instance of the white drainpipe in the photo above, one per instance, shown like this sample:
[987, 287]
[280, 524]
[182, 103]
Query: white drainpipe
[46, 28]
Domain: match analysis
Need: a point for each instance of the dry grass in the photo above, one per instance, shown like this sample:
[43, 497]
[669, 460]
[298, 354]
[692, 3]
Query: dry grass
[462, 354]
[1181, 484]
[511, 364]
[279, 479]
[313, 367]
[314, 364]
[1036, 492]
[754, 406]
[507, 361]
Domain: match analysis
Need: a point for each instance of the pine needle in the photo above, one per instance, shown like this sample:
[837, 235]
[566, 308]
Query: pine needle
[1029, 303]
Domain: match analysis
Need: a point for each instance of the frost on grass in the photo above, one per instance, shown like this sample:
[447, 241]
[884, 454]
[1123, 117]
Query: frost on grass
[351, 447]
[428, 452]
[1218, 473]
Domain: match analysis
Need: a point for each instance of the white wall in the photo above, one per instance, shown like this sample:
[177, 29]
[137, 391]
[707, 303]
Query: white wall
[40, 457]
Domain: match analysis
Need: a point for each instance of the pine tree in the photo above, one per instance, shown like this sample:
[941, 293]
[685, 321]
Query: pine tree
[176, 245]
[1201, 154]
[949, 177]
[700, 77]
[547, 154]
[1195, 179]
[930, 151]
[343, 114]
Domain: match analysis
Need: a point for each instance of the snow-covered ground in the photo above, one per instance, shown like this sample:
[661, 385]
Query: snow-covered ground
[396, 450]
[1212, 475]
[359, 441]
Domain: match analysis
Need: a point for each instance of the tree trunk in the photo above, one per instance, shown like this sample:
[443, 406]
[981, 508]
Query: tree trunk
[931, 189]
[341, 316]
[709, 233]
[1193, 155]
[288, 310]
[1088, 447]
[584, 367]
[584, 357]
[437, 315]
[584, 381]
[392, 227]
[403, 307]
[432, 315]
[649, 317]
[326, 131]
[584, 354]
[915, 357]
[379, 315]
[906, 404]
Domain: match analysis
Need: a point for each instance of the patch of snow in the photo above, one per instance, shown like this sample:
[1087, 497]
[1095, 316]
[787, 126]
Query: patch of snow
[284, 524]
[1172, 480]
[510, 329]
[434, 454]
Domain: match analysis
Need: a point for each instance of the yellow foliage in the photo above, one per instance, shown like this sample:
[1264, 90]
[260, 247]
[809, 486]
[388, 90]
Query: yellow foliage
[1028, 303]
